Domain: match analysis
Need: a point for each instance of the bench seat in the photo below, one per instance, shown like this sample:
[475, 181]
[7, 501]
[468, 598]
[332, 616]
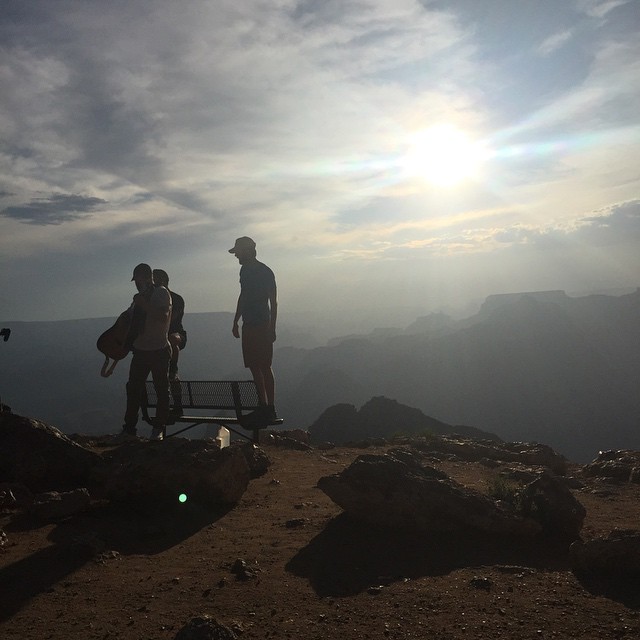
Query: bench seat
[238, 397]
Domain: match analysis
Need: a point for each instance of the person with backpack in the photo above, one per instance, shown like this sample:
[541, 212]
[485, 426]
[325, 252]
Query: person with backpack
[149, 342]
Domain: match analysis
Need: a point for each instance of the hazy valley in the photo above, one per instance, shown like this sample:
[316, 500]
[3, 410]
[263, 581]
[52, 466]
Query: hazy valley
[536, 367]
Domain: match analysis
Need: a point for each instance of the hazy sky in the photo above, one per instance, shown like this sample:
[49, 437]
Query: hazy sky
[388, 156]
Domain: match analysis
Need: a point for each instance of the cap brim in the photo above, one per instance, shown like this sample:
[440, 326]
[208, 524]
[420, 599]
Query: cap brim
[232, 250]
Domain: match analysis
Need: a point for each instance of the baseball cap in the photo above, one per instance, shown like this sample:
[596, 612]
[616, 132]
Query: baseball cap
[143, 270]
[243, 243]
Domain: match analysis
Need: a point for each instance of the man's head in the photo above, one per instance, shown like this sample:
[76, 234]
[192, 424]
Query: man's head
[161, 277]
[244, 248]
[143, 276]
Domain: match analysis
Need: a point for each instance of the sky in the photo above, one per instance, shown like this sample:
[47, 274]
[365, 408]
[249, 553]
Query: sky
[389, 157]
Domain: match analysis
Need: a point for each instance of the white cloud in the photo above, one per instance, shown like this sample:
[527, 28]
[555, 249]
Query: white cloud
[555, 42]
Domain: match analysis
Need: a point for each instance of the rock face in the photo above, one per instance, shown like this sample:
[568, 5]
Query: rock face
[622, 465]
[617, 555]
[159, 472]
[399, 491]
[41, 457]
[396, 490]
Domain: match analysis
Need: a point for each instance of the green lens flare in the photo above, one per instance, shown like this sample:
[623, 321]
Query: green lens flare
[182, 497]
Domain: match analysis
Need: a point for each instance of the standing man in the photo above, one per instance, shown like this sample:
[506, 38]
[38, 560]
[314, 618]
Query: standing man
[258, 308]
[177, 337]
[151, 312]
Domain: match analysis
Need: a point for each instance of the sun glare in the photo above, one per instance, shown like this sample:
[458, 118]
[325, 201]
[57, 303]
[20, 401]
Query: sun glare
[444, 156]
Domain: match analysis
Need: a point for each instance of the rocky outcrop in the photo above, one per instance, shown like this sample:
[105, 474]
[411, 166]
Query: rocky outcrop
[398, 490]
[381, 417]
[470, 450]
[622, 466]
[41, 457]
[617, 555]
[160, 472]
[36, 458]
[54, 505]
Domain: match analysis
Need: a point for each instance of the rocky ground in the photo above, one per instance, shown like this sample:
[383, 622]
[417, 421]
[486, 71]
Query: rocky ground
[286, 563]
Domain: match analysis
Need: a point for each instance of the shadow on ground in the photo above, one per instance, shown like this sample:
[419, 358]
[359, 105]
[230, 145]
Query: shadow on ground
[348, 557]
[623, 590]
[105, 528]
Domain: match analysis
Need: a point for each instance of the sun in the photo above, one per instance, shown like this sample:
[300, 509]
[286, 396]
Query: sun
[444, 156]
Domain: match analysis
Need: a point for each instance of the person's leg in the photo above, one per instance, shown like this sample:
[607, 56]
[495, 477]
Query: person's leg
[269, 384]
[160, 374]
[176, 342]
[258, 378]
[138, 372]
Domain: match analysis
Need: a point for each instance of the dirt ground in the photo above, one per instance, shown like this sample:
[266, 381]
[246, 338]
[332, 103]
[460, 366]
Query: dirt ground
[285, 563]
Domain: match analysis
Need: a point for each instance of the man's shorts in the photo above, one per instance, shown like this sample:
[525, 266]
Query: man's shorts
[257, 347]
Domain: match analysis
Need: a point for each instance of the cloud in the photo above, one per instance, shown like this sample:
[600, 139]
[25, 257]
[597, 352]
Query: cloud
[55, 209]
[554, 42]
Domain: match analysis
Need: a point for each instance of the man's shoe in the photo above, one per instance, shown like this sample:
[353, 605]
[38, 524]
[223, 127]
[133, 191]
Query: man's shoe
[156, 434]
[270, 414]
[254, 420]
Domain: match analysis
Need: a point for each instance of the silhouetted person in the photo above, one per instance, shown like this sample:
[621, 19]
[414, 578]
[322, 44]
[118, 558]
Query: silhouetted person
[151, 312]
[258, 308]
[177, 336]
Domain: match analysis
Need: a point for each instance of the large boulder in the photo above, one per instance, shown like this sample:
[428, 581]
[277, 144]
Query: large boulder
[549, 501]
[617, 555]
[157, 473]
[397, 490]
[617, 465]
[54, 505]
[41, 457]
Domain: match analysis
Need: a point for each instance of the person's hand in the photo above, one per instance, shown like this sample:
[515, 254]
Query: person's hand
[235, 331]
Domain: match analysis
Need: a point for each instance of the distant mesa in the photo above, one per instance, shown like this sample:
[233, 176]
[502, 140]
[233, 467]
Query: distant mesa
[382, 417]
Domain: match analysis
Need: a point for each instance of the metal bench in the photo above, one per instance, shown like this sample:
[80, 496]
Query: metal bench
[237, 396]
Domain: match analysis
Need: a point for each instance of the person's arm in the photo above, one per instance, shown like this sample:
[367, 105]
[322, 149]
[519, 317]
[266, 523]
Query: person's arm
[235, 330]
[273, 304]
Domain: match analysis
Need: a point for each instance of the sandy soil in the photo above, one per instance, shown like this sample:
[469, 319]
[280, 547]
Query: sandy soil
[306, 570]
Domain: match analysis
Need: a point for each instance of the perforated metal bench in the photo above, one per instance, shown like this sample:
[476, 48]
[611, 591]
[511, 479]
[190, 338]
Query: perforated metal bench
[237, 396]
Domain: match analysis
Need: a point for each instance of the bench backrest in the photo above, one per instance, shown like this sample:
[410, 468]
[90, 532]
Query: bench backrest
[230, 395]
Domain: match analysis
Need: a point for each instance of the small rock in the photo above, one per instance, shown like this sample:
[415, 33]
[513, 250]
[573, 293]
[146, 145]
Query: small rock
[295, 523]
[481, 583]
[205, 628]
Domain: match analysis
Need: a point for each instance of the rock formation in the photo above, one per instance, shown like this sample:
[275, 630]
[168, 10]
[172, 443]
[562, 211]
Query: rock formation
[399, 490]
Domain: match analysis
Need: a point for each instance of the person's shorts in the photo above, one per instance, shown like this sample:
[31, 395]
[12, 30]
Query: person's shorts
[257, 347]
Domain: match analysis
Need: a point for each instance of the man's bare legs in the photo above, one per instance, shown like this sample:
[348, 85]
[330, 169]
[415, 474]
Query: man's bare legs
[265, 384]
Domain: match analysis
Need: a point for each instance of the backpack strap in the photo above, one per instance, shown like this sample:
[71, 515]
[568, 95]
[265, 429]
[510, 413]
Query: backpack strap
[107, 369]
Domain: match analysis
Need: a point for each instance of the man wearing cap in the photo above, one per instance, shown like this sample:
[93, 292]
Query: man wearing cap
[151, 313]
[258, 308]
